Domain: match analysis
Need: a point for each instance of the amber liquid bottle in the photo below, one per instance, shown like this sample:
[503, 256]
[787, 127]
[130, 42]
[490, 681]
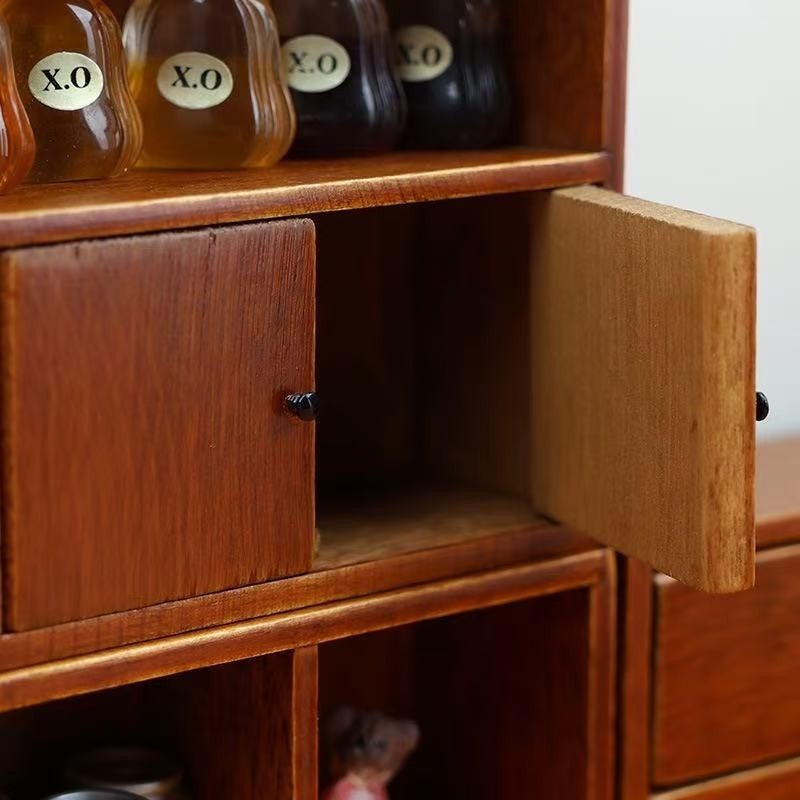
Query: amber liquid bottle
[450, 58]
[70, 71]
[339, 63]
[17, 148]
[208, 79]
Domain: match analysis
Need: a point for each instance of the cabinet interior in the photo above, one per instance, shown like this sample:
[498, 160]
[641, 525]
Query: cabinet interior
[229, 726]
[500, 695]
[424, 371]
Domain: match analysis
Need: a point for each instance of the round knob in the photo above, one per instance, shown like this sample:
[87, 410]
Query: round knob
[304, 406]
[762, 407]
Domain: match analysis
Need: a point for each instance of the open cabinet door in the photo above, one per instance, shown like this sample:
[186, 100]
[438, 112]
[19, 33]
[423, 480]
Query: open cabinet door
[644, 381]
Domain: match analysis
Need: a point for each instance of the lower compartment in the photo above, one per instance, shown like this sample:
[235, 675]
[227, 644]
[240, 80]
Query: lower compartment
[501, 697]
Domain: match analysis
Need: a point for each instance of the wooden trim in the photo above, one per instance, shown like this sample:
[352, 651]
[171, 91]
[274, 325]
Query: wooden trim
[616, 91]
[33, 685]
[355, 580]
[756, 783]
[635, 680]
[156, 201]
[602, 689]
[305, 691]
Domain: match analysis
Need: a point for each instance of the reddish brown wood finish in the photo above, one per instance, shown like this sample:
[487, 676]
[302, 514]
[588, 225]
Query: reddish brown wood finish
[519, 695]
[341, 578]
[305, 714]
[774, 782]
[147, 456]
[725, 684]
[32, 685]
[778, 491]
[155, 201]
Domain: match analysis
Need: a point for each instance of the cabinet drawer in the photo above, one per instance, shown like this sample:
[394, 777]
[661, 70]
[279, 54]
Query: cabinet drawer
[146, 453]
[726, 685]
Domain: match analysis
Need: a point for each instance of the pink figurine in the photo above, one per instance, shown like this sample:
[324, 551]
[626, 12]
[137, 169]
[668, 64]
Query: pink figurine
[365, 750]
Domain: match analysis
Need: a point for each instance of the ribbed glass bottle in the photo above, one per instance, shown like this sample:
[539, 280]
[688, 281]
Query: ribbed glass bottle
[450, 59]
[339, 63]
[17, 148]
[70, 71]
[208, 78]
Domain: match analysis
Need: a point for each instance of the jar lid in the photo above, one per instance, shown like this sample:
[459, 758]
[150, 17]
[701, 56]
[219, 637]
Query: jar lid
[147, 773]
[95, 794]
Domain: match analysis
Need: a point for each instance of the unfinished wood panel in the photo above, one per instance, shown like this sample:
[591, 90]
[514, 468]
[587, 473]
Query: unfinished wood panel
[643, 386]
[147, 456]
[774, 782]
[725, 688]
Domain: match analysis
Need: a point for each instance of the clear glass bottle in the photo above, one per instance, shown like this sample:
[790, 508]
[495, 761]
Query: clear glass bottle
[339, 62]
[450, 59]
[208, 78]
[70, 71]
[17, 148]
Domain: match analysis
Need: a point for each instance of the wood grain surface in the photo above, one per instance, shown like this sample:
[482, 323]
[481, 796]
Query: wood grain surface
[145, 201]
[778, 491]
[725, 685]
[224, 644]
[391, 566]
[146, 453]
[643, 387]
[779, 781]
[305, 723]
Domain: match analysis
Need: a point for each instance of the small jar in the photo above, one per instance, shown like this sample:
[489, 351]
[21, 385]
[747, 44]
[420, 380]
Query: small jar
[141, 772]
[208, 79]
[339, 61]
[17, 147]
[450, 59]
[70, 72]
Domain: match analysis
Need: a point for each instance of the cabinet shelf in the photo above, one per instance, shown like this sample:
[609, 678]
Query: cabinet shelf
[151, 201]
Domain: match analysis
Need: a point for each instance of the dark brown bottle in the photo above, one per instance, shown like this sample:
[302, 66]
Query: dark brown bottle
[450, 59]
[339, 63]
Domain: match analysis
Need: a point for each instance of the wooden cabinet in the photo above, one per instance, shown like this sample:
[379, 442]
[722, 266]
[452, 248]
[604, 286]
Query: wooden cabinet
[147, 454]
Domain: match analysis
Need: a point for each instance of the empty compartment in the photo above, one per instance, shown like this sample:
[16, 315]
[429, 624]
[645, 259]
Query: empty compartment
[230, 727]
[424, 373]
[502, 698]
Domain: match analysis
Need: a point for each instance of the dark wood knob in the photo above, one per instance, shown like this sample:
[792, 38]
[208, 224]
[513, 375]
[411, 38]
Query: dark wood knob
[304, 406]
[762, 407]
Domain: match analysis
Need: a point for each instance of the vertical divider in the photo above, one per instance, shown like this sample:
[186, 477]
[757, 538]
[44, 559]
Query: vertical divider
[305, 723]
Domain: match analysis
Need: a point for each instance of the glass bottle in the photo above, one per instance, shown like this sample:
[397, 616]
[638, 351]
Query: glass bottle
[450, 59]
[208, 78]
[338, 57]
[17, 148]
[70, 70]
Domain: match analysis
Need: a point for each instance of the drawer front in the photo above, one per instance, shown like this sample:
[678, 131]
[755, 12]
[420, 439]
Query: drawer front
[774, 782]
[727, 691]
[644, 381]
[146, 452]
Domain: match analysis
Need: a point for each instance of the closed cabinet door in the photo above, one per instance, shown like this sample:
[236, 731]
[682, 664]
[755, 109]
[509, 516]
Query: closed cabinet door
[643, 381]
[148, 453]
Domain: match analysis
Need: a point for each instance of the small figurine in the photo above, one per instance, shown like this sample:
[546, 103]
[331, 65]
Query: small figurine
[364, 751]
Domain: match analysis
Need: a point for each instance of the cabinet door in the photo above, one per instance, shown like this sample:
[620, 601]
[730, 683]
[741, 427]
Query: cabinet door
[644, 389]
[146, 452]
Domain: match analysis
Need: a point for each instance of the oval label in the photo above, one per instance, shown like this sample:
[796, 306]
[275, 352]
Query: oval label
[195, 80]
[315, 63]
[66, 81]
[423, 53]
